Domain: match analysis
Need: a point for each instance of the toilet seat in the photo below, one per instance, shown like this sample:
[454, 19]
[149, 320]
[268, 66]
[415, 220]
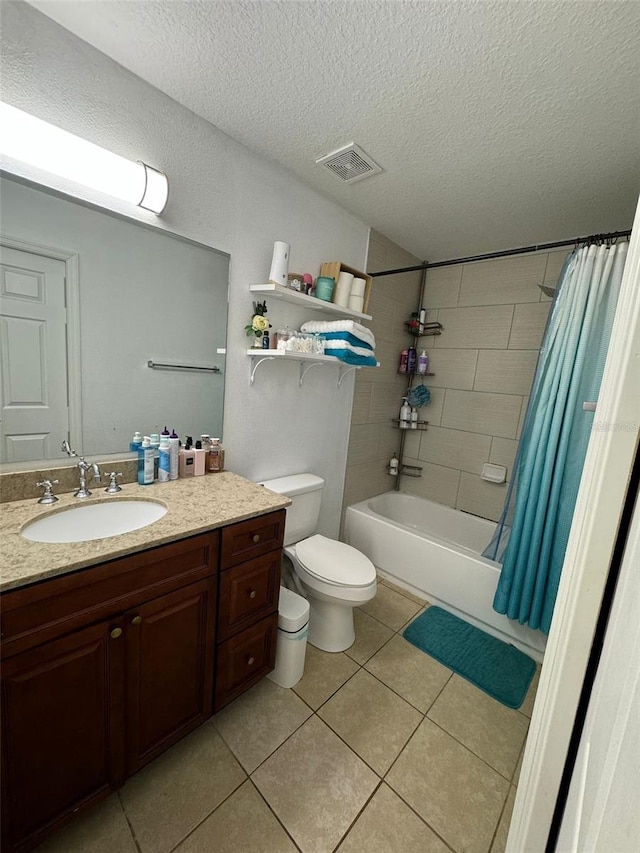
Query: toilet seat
[335, 563]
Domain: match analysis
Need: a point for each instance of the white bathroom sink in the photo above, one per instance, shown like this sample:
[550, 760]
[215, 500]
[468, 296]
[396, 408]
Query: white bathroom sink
[93, 521]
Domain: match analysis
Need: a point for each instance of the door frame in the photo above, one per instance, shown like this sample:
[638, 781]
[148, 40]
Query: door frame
[599, 505]
[72, 302]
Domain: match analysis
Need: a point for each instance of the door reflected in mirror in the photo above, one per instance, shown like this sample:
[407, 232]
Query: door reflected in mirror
[107, 326]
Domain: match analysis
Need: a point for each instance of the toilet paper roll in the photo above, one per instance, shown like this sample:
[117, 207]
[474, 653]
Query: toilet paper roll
[343, 289]
[356, 303]
[358, 286]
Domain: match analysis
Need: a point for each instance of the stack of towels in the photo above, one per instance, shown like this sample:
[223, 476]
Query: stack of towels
[346, 340]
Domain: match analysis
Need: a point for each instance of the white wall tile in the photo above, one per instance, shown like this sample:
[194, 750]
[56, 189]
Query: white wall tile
[503, 452]
[436, 483]
[503, 281]
[442, 287]
[505, 371]
[481, 498]
[452, 448]
[453, 368]
[475, 328]
[528, 325]
[477, 411]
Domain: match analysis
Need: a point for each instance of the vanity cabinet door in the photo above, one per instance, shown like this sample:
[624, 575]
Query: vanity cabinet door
[62, 730]
[170, 645]
[245, 659]
[248, 592]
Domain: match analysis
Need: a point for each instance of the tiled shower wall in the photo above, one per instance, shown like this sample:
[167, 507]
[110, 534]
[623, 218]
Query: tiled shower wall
[378, 393]
[494, 315]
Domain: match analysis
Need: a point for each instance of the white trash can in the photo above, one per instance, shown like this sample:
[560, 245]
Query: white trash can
[293, 628]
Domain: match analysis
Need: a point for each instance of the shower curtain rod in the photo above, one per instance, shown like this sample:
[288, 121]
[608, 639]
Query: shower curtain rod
[490, 255]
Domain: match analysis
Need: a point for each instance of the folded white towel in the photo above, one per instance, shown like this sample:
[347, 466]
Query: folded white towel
[342, 344]
[340, 326]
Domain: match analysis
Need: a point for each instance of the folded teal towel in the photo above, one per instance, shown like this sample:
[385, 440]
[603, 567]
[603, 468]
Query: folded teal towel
[346, 336]
[350, 357]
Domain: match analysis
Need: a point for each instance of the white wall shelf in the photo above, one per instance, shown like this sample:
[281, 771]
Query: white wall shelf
[287, 294]
[305, 360]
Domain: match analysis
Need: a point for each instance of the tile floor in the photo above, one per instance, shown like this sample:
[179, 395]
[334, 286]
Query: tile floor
[380, 748]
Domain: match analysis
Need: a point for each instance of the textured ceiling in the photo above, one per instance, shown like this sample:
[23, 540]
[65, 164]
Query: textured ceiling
[497, 124]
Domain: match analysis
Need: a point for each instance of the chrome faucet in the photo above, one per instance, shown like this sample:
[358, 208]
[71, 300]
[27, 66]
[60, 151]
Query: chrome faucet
[83, 468]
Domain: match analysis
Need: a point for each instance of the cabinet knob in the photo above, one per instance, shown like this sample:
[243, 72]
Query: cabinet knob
[117, 632]
[252, 594]
[256, 538]
[136, 620]
[251, 661]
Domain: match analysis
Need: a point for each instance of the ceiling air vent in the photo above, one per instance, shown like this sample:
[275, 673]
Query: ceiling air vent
[350, 164]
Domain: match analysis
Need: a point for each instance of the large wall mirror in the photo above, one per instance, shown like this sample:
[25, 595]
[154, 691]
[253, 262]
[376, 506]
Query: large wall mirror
[89, 300]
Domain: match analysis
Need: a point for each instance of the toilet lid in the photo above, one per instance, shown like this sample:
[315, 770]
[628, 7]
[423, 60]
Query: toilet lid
[335, 562]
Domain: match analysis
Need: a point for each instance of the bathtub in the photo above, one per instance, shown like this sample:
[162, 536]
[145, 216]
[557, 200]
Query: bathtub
[435, 551]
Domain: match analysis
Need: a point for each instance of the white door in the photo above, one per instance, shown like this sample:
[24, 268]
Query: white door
[33, 378]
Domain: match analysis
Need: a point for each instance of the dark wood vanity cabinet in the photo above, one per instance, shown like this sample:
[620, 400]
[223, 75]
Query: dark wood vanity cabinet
[250, 559]
[102, 670]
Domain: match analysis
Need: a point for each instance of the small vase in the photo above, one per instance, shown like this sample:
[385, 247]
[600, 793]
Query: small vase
[257, 342]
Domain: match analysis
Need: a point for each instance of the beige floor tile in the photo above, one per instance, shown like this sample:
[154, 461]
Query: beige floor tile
[458, 795]
[416, 676]
[316, 786]
[500, 841]
[417, 599]
[259, 721]
[414, 617]
[324, 673]
[371, 635]
[170, 797]
[391, 608]
[494, 732]
[373, 720]
[387, 825]
[242, 824]
[102, 829]
[527, 706]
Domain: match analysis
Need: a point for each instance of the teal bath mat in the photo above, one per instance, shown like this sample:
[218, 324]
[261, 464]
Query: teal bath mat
[499, 669]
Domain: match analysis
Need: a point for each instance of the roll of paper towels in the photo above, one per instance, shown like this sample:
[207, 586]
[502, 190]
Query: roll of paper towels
[358, 286]
[343, 289]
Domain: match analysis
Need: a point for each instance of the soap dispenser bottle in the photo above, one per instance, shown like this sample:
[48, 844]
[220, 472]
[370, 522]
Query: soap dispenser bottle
[394, 464]
[135, 442]
[187, 459]
[405, 414]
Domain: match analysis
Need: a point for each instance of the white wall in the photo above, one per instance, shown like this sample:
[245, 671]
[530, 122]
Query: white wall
[222, 195]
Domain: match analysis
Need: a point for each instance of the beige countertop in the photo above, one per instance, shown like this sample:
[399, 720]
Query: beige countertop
[194, 505]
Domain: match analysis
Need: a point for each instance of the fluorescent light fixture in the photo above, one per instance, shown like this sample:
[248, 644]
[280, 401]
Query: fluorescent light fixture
[30, 140]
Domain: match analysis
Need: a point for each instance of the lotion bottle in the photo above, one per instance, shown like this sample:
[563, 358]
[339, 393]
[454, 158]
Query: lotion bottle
[187, 459]
[215, 456]
[174, 449]
[394, 465]
[200, 458]
[146, 455]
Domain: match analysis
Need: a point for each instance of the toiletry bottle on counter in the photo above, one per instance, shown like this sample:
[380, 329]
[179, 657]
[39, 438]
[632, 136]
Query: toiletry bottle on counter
[405, 414]
[411, 360]
[174, 455]
[146, 455]
[135, 442]
[155, 443]
[187, 459]
[164, 459]
[214, 456]
[423, 363]
[394, 465]
[200, 457]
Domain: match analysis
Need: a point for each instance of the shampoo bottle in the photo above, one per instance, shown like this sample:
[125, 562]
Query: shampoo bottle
[423, 363]
[411, 360]
[164, 461]
[405, 414]
[146, 455]
[174, 449]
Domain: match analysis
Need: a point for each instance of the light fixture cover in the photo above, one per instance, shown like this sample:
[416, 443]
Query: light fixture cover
[30, 140]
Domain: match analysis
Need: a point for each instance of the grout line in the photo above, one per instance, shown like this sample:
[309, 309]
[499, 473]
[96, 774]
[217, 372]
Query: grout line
[268, 805]
[126, 817]
[359, 813]
[215, 809]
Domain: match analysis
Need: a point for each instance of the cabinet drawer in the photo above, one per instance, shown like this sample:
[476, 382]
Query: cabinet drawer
[44, 611]
[249, 539]
[245, 659]
[248, 592]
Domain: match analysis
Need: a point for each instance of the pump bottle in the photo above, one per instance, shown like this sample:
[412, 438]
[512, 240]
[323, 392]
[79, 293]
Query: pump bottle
[405, 414]
[146, 455]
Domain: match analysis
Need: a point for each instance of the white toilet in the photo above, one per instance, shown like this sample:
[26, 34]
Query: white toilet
[334, 577]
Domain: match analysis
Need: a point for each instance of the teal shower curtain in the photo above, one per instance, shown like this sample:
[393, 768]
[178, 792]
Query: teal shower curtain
[541, 499]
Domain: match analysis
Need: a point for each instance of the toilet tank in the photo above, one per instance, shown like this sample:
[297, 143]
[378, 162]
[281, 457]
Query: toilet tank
[305, 491]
